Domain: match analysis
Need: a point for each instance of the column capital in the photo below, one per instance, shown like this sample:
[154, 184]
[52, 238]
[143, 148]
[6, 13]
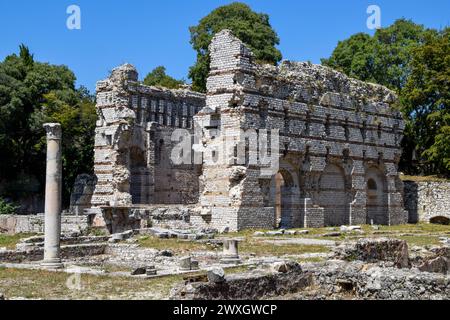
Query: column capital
[53, 131]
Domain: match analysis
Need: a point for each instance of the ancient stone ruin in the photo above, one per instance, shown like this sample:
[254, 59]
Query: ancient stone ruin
[296, 145]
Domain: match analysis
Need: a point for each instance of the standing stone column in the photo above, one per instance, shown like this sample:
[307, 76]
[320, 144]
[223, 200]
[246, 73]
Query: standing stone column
[53, 197]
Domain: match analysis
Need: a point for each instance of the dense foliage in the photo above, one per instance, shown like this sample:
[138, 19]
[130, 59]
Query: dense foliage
[158, 77]
[252, 28]
[7, 207]
[413, 61]
[32, 93]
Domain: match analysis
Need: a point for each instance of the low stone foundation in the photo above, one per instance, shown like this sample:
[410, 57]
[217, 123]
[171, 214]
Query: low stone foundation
[13, 224]
[37, 253]
[363, 281]
[246, 286]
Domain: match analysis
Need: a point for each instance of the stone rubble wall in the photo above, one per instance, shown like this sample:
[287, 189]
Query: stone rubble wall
[13, 224]
[37, 254]
[247, 286]
[380, 283]
[331, 280]
[427, 200]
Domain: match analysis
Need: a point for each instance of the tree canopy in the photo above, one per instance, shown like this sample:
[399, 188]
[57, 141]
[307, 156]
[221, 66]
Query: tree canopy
[250, 27]
[413, 61]
[158, 77]
[32, 93]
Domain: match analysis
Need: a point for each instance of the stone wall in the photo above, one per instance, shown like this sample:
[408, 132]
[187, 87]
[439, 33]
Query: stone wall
[427, 201]
[35, 223]
[81, 195]
[294, 145]
[339, 144]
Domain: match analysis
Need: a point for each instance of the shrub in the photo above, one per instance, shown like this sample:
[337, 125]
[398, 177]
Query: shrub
[7, 207]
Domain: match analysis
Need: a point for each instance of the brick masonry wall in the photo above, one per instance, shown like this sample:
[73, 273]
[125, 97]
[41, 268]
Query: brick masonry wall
[133, 142]
[336, 134]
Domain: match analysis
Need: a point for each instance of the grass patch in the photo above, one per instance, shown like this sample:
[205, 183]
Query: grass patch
[260, 248]
[10, 241]
[176, 245]
[420, 240]
[423, 178]
[38, 284]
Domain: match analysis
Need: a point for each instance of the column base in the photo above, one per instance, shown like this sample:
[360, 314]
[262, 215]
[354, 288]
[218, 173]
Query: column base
[52, 264]
[230, 260]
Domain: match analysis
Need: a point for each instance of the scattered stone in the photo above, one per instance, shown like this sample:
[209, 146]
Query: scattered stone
[295, 232]
[196, 278]
[162, 235]
[274, 233]
[185, 263]
[349, 228]
[438, 261]
[285, 267]
[116, 237]
[139, 271]
[150, 271]
[224, 230]
[166, 253]
[436, 265]
[194, 265]
[216, 275]
[332, 234]
[374, 250]
[258, 234]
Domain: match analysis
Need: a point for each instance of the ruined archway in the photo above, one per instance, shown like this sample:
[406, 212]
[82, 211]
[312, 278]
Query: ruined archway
[285, 198]
[139, 177]
[377, 197]
[440, 220]
[333, 196]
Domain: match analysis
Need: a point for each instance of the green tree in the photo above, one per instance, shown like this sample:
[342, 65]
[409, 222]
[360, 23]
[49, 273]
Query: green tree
[383, 58]
[32, 93]
[425, 100]
[250, 27]
[396, 57]
[158, 77]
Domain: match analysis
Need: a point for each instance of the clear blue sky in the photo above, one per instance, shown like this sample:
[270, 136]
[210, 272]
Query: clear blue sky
[155, 32]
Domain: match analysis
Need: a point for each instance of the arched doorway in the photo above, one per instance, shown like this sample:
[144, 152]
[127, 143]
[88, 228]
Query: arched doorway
[334, 197]
[285, 197]
[377, 201]
[139, 177]
[440, 220]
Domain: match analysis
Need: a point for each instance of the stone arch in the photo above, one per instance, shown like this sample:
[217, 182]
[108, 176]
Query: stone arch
[285, 196]
[377, 196]
[334, 196]
[139, 177]
[440, 220]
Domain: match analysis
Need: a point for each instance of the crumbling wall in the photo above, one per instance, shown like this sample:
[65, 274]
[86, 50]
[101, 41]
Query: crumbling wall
[428, 201]
[334, 132]
[13, 224]
[81, 195]
[133, 143]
